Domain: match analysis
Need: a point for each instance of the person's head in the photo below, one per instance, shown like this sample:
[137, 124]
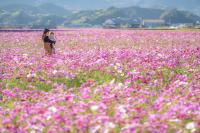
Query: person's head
[45, 32]
[51, 34]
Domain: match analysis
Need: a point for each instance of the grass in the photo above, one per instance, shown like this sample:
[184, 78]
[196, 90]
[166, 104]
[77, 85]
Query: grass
[98, 77]
[165, 73]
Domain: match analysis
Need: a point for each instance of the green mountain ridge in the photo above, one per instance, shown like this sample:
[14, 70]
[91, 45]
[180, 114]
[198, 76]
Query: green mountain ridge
[52, 16]
[188, 5]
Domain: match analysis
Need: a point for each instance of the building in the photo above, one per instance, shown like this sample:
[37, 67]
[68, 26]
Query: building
[183, 25]
[152, 23]
[109, 23]
[122, 23]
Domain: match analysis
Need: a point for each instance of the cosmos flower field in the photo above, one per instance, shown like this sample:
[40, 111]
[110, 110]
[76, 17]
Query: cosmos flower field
[101, 81]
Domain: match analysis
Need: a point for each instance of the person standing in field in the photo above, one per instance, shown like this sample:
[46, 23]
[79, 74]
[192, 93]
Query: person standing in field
[52, 45]
[47, 42]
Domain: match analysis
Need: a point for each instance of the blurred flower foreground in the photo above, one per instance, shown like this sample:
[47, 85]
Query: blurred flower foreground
[101, 81]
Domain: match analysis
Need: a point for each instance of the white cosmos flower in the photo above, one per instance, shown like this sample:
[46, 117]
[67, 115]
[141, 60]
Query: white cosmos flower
[120, 85]
[110, 125]
[106, 131]
[115, 67]
[94, 108]
[95, 129]
[52, 109]
[119, 71]
[129, 99]
[160, 55]
[111, 64]
[174, 120]
[124, 116]
[32, 131]
[25, 54]
[190, 126]
[55, 71]
[112, 81]
[125, 127]
[98, 61]
[29, 75]
[122, 109]
[169, 103]
[118, 64]
[49, 117]
[34, 75]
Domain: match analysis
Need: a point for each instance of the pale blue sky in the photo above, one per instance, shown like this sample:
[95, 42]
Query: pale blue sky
[94, 4]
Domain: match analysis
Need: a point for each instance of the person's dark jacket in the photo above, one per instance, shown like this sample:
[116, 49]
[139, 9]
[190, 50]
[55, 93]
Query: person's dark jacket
[47, 40]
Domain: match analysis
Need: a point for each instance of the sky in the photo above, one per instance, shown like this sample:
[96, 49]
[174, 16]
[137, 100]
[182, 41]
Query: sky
[96, 4]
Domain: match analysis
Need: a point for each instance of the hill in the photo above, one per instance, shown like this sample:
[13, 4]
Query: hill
[125, 15]
[52, 16]
[20, 15]
[188, 5]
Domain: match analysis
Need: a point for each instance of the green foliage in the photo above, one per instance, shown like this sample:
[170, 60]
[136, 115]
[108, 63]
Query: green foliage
[97, 76]
[111, 110]
[42, 86]
[15, 119]
[13, 82]
[76, 82]
[179, 70]
[7, 104]
[23, 83]
[165, 73]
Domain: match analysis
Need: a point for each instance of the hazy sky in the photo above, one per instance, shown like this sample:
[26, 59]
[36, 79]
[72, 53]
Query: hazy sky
[93, 4]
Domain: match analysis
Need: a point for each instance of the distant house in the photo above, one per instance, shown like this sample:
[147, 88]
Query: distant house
[197, 25]
[197, 22]
[183, 25]
[109, 23]
[136, 23]
[152, 23]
